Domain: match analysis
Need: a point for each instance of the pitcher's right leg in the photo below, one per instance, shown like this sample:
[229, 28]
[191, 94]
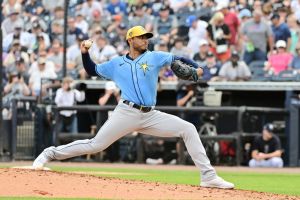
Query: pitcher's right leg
[122, 122]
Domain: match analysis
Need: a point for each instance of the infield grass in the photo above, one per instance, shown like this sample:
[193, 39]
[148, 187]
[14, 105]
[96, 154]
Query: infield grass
[269, 182]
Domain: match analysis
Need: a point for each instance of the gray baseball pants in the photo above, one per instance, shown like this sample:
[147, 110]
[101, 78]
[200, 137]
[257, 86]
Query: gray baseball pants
[125, 120]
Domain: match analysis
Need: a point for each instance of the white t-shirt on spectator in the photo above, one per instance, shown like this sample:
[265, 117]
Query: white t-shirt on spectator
[197, 34]
[37, 75]
[25, 40]
[67, 98]
[73, 52]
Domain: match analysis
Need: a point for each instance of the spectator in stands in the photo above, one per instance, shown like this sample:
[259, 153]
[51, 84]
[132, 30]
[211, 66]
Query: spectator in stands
[197, 32]
[295, 32]
[235, 69]
[200, 56]
[219, 36]
[24, 37]
[14, 54]
[206, 9]
[74, 57]
[89, 8]
[180, 49]
[165, 26]
[257, 34]
[180, 6]
[73, 31]
[279, 60]
[188, 96]
[43, 71]
[140, 18]
[56, 56]
[33, 7]
[39, 37]
[102, 51]
[231, 20]
[58, 16]
[16, 87]
[266, 149]
[212, 66]
[8, 24]
[56, 32]
[11, 5]
[68, 96]
[22, 69]
[116, 7]
[50, 6]
[281, 30]
[81, 23]
[295, 64]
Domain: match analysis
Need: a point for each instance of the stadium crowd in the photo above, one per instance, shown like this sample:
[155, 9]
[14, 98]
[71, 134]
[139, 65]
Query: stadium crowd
[262, 36]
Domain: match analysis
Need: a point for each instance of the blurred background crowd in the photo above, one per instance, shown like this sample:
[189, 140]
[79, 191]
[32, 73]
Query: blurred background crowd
[237, 40]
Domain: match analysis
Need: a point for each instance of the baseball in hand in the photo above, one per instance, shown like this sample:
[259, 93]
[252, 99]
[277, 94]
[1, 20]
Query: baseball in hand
[88, 43]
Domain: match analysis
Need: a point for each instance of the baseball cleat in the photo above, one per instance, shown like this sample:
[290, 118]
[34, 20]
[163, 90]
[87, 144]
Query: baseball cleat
[42, 159]
[217, 182]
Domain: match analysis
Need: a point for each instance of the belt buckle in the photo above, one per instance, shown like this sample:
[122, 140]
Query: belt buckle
[141, 108]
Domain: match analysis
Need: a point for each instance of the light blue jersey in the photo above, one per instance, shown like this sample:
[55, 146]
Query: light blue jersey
[136, 78]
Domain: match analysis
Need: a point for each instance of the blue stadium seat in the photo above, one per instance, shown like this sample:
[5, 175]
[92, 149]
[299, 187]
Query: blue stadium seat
[286, 75]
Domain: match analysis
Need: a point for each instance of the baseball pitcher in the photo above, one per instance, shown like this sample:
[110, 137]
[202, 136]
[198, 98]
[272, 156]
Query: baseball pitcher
[136, 74]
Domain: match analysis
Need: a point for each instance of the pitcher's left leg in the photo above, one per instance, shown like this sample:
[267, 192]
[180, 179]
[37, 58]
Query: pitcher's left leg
[165, 125]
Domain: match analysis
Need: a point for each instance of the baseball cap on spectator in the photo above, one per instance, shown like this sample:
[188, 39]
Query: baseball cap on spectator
[275, 16]
[41, 60]
[80, 37]
[202, 42]
[280, 44]
[244, 13]
[13, 12]
[19, 60]
[221, 5]
[163, 8]
[235, 54]
[138, 31]
[190, 19]
[269, 127]
[122, 26]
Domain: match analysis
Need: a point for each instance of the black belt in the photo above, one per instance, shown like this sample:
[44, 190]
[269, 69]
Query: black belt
[139, 107]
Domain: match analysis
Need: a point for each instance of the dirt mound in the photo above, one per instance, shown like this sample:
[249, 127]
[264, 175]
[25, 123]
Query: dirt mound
[22, 182]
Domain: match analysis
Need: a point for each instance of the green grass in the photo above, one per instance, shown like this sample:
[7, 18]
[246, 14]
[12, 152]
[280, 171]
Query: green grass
[271, 182]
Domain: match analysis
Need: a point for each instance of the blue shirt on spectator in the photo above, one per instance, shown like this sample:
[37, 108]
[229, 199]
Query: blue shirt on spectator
[281, 32]
[295, 64]
[119, 7]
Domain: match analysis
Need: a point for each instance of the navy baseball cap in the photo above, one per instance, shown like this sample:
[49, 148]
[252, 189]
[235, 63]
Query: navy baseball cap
[275, 16]
[269, 127]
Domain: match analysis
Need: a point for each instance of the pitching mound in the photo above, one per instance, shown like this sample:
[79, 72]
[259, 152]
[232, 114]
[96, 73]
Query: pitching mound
[25, 182]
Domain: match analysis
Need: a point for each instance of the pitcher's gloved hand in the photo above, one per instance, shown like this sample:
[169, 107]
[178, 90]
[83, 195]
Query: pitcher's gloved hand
[184, 71]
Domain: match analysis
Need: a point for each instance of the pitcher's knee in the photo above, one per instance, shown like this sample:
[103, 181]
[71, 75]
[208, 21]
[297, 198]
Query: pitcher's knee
[97, 146]
[277, 162]
[189, 128]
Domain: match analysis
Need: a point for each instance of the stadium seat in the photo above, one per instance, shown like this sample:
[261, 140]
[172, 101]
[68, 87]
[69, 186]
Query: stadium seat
[286, 75]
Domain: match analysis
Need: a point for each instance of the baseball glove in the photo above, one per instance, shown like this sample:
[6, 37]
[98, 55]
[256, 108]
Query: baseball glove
[184, 71]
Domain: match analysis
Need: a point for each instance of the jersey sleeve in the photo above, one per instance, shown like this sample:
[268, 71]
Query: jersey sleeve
[165, 58]
[106, 69]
